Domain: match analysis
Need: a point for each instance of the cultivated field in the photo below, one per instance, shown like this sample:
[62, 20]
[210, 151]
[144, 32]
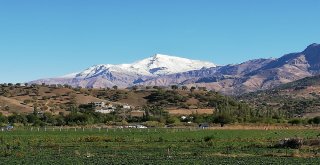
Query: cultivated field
[155, 146]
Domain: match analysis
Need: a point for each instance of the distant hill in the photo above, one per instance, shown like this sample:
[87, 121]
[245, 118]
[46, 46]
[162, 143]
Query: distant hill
[300, 98]
[59, 99]
[23, 99]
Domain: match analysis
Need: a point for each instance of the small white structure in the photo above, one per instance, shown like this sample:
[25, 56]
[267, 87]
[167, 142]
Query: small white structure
[183, 117]
[126, 107]
[141, 126]
[99, 104]
[7, 128]
[105, 111]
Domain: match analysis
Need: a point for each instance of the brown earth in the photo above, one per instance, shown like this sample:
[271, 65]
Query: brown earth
[13, 106]
[190, 111]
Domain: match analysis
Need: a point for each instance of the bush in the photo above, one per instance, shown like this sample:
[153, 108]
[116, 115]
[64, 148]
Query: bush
[316, 120]
[172, 120]
[293, 143]
[312, 142]
[223, 119]
[95, 139]
[153, 124]
[295, 121]
[208, 138]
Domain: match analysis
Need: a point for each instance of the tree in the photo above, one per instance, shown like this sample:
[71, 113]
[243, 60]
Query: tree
[172, 120]
[192, 89]
[174, 87]
[60, 121]
[223, 119]
[48, 118]
[184, 88]
[32, 117]
[6, 108]
[73, 99]
[134, 88]
[295, 121]
[66, 86]
[202, 88]
[316, 120]
[37, 93]
[17, 118]
[3, 119]
[115, 87]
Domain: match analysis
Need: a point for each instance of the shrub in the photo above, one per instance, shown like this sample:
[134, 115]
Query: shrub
[295, 121]
[95, 139]
[153, 124]
[208, 138]
[293, 143]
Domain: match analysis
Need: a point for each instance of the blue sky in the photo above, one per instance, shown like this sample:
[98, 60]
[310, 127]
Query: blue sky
[48, 38]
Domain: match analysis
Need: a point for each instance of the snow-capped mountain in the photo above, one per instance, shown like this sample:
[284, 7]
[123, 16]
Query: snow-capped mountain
[156, 65]
[164, 70]
[124, 75]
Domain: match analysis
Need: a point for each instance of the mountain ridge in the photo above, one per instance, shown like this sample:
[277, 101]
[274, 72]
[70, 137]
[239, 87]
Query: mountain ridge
[164, 70]
[124, 75]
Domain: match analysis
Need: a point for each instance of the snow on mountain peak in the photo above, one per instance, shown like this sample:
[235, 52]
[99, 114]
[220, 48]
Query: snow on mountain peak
[161, 64]
[158, 64]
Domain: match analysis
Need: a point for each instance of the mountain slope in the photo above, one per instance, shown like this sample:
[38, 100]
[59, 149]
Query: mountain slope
[251, 75]
[125, 75]
[164, 70]
[153, 66]
[301, 97]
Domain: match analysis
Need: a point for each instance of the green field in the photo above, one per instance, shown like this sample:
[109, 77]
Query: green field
[153, 146]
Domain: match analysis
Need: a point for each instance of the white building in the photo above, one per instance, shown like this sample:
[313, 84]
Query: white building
[99, 104]
[105, 110]
[126, 107]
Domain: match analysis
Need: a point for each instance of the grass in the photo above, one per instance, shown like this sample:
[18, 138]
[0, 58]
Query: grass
[153, 146]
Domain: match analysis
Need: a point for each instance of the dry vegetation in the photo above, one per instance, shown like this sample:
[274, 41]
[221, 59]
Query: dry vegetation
[179, 112]
[57, 98]
[23, 99]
